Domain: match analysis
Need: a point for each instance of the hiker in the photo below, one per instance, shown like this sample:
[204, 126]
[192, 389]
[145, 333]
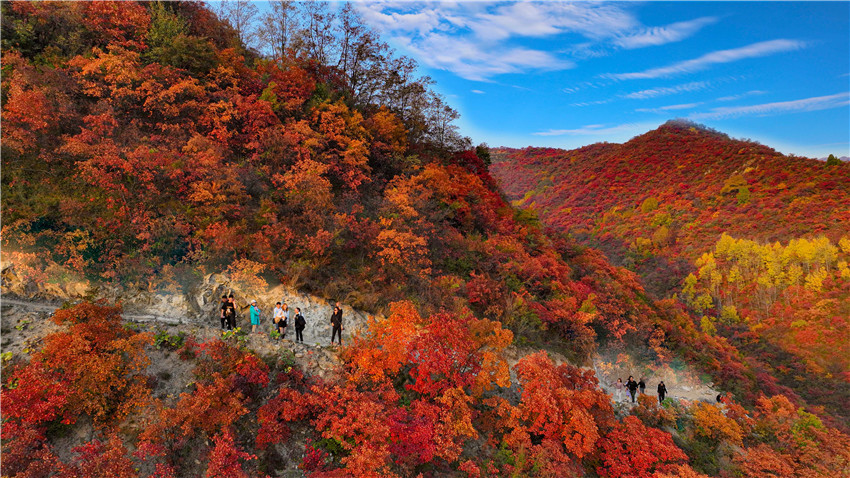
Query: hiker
[336, 322]
[642, 386]
[300, 323]
[632, 386]
[223, 312]
[662, 391]
[255, 316]
[281, 326]
[277, 316]
[230, 313]
[619, 386]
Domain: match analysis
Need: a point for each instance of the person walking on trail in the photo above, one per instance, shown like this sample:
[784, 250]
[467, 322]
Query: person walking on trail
[336, 322]
[642, 386]
[619, 387]
[632, 386]
[662, 391]
[230, 313]
[255, 316]
[224, 324]
[277, 316]
[300, 323]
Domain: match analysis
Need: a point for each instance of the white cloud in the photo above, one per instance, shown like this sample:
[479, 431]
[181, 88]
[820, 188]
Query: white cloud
[662, 35]
[664, 109]
[477, 40]
[591, 129]
[668, 90]
[473, 61]
[478, 92]
[717, 57]
[741, 95]
[593, 103]
[806, 104]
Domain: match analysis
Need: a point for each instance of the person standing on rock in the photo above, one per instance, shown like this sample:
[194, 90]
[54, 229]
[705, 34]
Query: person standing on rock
[619, 387]
[300, 323]
[662, 391]
[277, 316]
[642, 386]
[230, 313]
[336, 322]
[224, 324]
[281, 327]
[255, 316]
[632, 386]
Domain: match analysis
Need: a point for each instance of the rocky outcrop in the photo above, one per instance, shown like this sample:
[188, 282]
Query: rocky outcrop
[196, 304]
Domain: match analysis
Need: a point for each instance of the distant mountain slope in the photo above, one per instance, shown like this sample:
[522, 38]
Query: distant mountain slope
[755, 244]
[674, 190]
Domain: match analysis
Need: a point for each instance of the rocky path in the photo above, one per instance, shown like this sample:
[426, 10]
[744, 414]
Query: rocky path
[24, 324]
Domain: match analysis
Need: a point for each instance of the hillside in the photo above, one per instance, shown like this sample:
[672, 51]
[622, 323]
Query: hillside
[754, 243]
[146, 149]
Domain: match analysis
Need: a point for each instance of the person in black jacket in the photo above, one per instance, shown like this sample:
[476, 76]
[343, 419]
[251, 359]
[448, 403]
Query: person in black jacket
[223, 312]
[632, 386]
[336, 322]
[230, 313]
[642, 386]
[300, 323]
[662, 391]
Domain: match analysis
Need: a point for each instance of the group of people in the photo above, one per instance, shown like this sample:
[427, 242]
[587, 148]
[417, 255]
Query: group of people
[638, 387]
[280, 318]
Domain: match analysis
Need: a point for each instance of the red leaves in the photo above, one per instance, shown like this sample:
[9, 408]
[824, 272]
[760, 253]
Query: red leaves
[634, 450]
[93, 368]
[225, 459]
[97, 458]
[561, 403]
[275, 415]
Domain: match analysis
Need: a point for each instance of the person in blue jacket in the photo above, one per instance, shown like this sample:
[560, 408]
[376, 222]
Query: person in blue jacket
[255, 316]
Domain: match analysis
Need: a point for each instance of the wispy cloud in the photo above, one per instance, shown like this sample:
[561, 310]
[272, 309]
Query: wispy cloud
[477, 40]
[478, 92]
[754, 50]
[663, 35]
[741, 95]
[668, 90]
[474, 61]
[806, 104]
[592, 103]
[589, 130]
[665, 109]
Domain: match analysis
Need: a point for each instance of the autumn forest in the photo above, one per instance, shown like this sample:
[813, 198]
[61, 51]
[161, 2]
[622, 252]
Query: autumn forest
[145, 146]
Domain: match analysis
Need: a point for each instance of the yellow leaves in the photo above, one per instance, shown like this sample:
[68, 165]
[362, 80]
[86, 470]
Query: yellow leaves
[114, 74]
[707, 326]
[388, 132]
[208, 192]
[814, 280]
[307, 188]
[455, 423]
[844, 243]
[402, 251]
[709, 422]
[245, 274]
[649, 204]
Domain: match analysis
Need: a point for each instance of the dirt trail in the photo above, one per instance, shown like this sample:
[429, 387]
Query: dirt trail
[24, 325]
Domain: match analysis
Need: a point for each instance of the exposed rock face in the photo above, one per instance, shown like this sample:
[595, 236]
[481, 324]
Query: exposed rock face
[197, 304]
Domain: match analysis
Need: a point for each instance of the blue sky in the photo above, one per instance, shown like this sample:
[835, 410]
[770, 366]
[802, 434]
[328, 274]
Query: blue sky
[570, 74]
